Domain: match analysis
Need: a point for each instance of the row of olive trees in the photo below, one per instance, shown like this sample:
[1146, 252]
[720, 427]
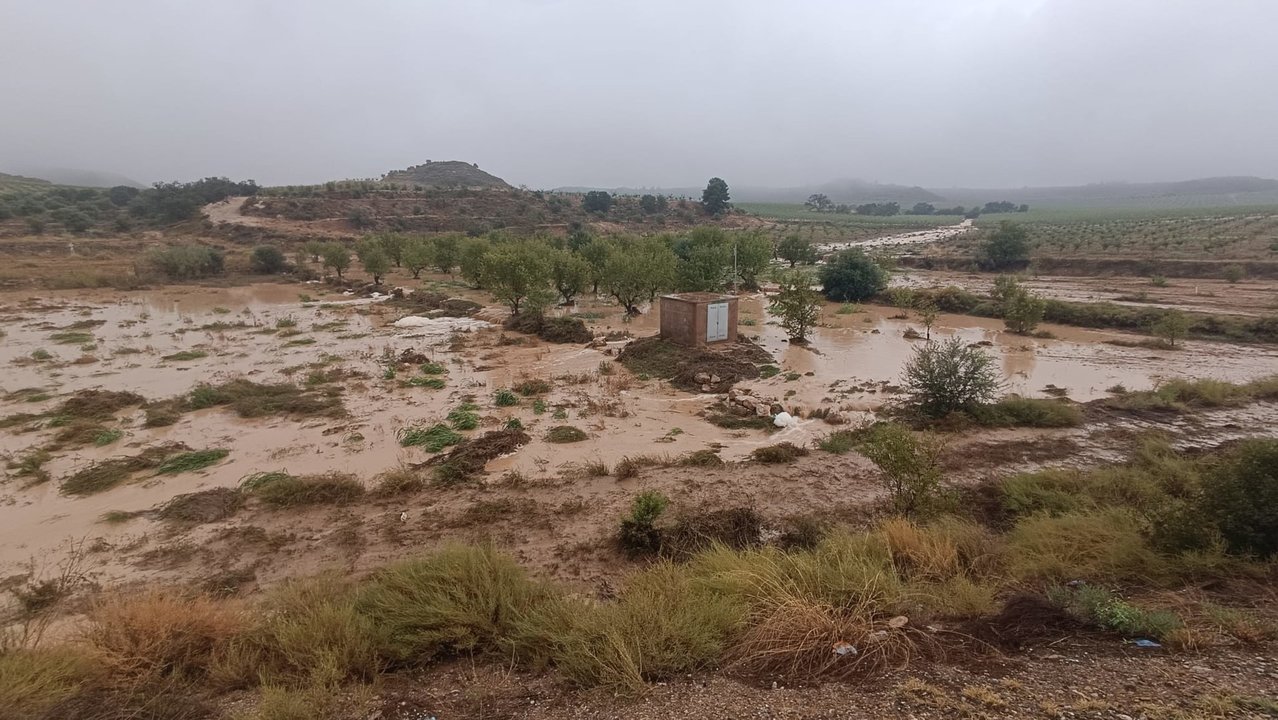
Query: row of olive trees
[534, 272]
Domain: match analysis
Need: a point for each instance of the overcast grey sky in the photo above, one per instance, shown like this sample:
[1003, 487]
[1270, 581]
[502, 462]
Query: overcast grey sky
[653, 92]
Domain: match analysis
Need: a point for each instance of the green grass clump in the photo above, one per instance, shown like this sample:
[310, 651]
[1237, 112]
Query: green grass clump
[1016, 411]
[433, 383]
[432, 439]
[249, 399]
[72, 338]
[533, 386]
[106, 474]
[1180, 395]
[565, 434]
[780, 453]
[31, 465]
[306, 633]
[433, 368]
[41, 354]
[839, 442]
[505, 398]
[700, 458]
[186, 355]
[106, 437]
[281, 489]
[458, 600]
[35, 681]
[767, 371]
[464, 417]
[191, 461]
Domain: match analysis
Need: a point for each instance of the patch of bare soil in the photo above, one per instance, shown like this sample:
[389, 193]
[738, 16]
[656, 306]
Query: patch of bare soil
[695, 369]
[1083, 677]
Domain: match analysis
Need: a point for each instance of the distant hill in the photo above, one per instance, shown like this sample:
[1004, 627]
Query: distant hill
[14, 182]
[445, 174]
[79, 177]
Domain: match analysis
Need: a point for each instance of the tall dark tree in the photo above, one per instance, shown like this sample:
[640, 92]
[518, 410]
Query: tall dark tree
[1007, 248]
[596, 201]
[820, 202]
[714, 199]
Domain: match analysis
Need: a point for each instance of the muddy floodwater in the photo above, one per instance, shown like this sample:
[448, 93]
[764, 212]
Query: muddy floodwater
[59, 343]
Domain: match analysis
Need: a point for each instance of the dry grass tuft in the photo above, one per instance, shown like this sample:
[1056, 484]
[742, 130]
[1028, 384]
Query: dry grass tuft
[159, 633]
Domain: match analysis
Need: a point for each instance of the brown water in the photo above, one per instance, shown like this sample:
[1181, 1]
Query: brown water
[847, 359]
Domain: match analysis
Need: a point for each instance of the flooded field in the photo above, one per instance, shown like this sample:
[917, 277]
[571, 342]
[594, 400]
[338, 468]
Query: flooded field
[1252, 298]
[163, 343]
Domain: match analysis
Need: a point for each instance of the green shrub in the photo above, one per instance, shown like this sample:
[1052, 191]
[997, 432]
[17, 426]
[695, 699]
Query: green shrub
[268, 259]
[505, 398]
[1239, 497]
[910, 465]
[950, 376]
[1100, 607]
[638, 534]
[851, 276]
[185, 262]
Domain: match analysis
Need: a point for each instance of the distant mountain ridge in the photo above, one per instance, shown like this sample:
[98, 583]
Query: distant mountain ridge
[445, 174]
[79, 177]
[1241, 190]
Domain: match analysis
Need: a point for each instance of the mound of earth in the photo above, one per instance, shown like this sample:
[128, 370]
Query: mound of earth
[446, 174]
[433, 304]
[695, 369]
[552, 329]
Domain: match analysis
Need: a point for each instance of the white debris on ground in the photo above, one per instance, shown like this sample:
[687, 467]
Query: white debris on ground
[437, 329]
[917, 237]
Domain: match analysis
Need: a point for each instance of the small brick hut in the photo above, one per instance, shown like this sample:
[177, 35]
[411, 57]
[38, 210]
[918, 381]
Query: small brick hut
[699, 318]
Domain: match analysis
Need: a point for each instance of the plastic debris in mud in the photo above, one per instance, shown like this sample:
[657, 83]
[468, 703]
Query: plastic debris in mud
[842, 648]
[1143, 643]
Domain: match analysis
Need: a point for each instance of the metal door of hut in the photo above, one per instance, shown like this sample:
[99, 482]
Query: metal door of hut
[716, 321]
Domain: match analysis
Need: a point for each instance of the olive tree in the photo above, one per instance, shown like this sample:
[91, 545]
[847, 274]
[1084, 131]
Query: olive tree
[795, 249]
[797, 305]
[518, 274]
[1172, 326]
[949, 376]
[336, 258]
[570, 274]
[418, 254]
[753, 254]
[637, 270]
[372, 254]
